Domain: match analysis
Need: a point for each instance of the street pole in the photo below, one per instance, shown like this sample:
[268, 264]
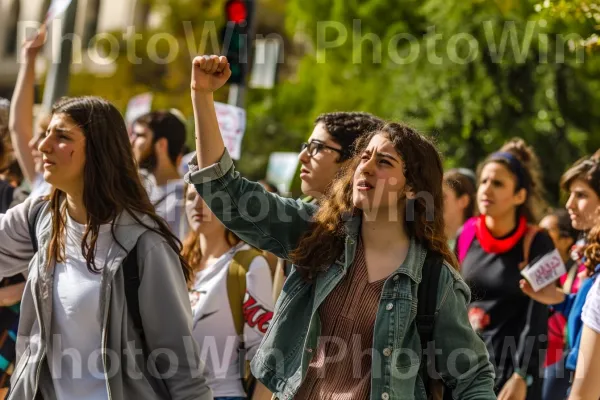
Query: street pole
[57, 80]
[237, 92]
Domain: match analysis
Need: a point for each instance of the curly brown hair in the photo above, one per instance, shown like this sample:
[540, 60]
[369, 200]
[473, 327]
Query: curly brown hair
[346, 127]
[592, 250]
[535, 204]
[324, 243]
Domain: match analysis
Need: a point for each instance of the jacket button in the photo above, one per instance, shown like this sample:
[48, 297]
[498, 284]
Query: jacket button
[385, 396]
[389, 306]
[387, 352]
[396, 277]
[309, 350]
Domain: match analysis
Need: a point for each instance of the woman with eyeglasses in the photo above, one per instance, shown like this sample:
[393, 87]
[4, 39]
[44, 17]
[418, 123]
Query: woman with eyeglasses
[329, 147]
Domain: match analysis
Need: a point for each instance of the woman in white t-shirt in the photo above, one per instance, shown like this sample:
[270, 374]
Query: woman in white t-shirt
[105, 310]
[231, 296]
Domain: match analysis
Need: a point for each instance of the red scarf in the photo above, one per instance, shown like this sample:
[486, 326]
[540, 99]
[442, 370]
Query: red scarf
[490, 244]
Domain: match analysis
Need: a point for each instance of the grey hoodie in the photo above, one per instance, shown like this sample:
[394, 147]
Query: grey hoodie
[164, 308]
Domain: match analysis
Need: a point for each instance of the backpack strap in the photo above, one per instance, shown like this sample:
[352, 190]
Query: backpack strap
[236, 285]
[131, 274]
[427, 297]
[426, 313]
[236, 291]
[34, 215]
[530, 234]
[466, 237]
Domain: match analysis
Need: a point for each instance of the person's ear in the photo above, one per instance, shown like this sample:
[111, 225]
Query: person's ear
[520, 197]
[463, 201]
[161, 145]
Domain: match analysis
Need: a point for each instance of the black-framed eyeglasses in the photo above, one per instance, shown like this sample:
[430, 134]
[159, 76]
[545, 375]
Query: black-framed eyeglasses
[314, 147]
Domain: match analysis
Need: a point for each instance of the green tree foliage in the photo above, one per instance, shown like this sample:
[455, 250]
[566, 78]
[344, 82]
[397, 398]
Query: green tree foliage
[471, 73]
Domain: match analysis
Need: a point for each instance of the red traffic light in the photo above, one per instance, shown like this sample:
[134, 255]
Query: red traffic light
[237, 11]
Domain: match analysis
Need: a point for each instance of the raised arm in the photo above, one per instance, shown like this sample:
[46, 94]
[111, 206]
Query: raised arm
[262, 219]
[209, 73]
[21, 108]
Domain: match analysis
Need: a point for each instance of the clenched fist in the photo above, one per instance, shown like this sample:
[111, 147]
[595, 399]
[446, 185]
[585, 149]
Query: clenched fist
[209, 73]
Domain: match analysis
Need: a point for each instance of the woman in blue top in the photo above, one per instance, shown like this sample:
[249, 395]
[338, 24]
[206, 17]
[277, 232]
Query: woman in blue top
[571, 306]
[586, 384]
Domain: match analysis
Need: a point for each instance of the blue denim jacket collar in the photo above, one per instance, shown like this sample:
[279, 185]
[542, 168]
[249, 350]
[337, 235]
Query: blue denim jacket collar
[412, 265]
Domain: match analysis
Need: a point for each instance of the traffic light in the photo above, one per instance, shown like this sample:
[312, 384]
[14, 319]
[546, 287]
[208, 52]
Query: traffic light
[236, 41]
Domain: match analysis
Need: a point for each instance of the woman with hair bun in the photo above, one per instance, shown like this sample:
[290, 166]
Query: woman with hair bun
[493, 248]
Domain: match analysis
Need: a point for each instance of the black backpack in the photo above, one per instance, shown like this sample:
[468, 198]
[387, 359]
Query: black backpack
[130, 272]
[426, 313]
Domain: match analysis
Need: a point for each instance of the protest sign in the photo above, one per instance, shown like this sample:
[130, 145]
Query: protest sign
[545, 271]
[282, 169]
[232, 123]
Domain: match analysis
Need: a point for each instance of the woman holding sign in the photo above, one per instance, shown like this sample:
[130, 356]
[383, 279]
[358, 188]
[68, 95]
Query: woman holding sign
[572, 305]
[582, 182]
[493, 248]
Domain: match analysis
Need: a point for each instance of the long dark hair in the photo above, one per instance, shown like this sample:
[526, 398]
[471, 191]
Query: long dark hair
[323, 244]
[111, 181]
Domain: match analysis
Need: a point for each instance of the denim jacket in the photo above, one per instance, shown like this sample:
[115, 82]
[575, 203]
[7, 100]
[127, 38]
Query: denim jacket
[276, 224]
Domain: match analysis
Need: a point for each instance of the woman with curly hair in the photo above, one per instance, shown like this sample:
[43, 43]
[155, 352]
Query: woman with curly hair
[345, 323]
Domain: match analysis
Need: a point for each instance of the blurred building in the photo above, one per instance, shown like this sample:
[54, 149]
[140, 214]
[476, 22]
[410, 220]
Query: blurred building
[93, 17]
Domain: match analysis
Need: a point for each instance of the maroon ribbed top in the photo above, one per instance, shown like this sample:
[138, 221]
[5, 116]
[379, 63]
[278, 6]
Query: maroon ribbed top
[341, 366]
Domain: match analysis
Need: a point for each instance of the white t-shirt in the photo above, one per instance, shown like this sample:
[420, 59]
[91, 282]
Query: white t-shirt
[74, 355]
[214, 329]
[169, 203]
[591, 308]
